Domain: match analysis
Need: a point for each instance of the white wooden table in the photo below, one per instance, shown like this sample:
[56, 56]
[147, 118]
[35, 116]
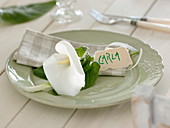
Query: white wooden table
[17, 111]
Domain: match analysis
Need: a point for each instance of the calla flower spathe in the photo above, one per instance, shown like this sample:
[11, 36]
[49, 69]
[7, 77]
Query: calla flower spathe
[64, 70]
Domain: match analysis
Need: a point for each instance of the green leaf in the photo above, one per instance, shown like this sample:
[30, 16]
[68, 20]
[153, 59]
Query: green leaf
[53, 92]
[80, 51]
[91, 75]
[21, 14]
[39, 72]
[91, 70]
[85, 62]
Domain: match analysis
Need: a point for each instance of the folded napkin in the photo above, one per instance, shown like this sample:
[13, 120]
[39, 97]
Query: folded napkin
[36, 47]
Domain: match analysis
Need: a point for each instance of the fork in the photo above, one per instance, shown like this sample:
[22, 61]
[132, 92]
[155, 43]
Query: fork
[108, 20]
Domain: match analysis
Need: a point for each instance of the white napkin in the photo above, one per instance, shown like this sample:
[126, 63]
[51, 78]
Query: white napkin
[36, 47]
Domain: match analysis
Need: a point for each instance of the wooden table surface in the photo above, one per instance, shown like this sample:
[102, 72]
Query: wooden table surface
[17, 111]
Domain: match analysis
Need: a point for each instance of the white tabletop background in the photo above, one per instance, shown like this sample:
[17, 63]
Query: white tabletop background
[17, 111]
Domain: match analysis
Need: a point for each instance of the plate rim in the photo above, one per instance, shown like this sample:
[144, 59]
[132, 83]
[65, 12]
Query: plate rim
[85, 107]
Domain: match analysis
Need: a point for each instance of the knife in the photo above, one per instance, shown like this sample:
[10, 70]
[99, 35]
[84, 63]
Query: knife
[148, 19]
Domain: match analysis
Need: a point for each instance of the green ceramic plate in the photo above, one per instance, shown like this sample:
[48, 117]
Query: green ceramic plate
[108, 90]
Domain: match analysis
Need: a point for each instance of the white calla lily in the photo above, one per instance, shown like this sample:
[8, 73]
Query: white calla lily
[64, 70]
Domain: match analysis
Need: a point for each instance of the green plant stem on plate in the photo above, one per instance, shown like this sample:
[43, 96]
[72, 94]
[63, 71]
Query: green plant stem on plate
[38, 87]
[21, 14]
[137, 52]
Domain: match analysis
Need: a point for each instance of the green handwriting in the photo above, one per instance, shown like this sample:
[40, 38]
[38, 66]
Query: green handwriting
[108, 58]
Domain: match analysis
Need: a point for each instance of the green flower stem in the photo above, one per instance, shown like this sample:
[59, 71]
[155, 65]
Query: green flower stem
[137, 52]
[37, 87]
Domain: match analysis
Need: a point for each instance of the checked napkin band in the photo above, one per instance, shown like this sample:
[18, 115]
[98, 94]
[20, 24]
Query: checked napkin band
[36, 47]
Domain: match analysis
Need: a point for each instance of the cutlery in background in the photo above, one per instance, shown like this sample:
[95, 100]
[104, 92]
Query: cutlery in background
[108, 20]
[149, 19]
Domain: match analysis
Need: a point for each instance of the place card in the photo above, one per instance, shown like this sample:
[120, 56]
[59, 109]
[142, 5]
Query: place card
[113, 58]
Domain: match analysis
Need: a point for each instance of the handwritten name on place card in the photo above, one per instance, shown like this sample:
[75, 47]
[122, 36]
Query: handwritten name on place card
[114, 58]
